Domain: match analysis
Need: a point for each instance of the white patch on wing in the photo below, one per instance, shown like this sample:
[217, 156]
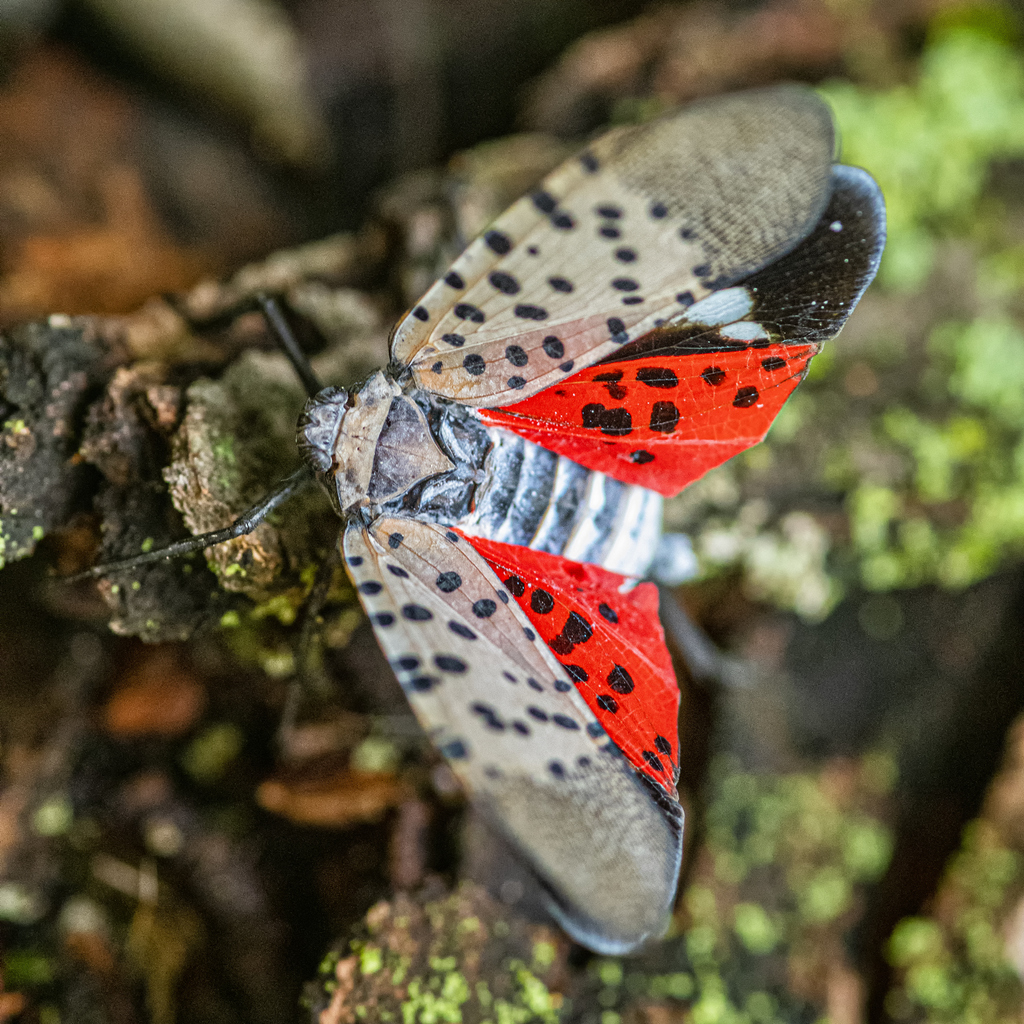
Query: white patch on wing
[722, 307]
[515, 731]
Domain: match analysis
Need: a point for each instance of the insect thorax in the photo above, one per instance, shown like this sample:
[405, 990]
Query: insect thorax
[367, 445]
[379, 449]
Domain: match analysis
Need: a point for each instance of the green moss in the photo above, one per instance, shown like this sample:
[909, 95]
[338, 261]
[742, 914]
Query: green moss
[956, 969]
[930, 145]
[927, 457]
[208, 756]
[26, 968]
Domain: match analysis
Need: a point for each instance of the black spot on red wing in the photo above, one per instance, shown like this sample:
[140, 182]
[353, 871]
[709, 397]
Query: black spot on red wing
[611, 381]
[614, 422]
[541, 602]
[553, 347]
[641, 458]
[657, 377]
[461, 630]
[664, 417]
[685, 299]
[416, 613]
[516, 586]
[607, 612]
[576, 629]
[504, 282]
[620, 680]
[516, 355]
[395, 540]
[383, 619]
[544, 201]
[606, 702]
[663, 746]
[746, 397]
[617, 330]
[449, 581]
[484, 608]
[560, 284]
[773, 363]
[467, 311]
[370, 587]
[474, 364]
[455, 340]
[713, 375]
[577, 673]
[420, 313]
[625, 255]
[653, 760]
[498, 242]
[516, 383]
[454, 280]
[528, 311]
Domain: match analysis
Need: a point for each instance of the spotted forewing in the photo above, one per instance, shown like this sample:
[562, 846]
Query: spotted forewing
[500, 707]
[645, 222]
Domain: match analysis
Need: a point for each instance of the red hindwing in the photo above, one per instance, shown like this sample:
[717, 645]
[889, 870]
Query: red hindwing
[611, 644]
[661, 421]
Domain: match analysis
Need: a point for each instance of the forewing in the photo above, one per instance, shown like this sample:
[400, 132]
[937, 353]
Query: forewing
[645, 221]
[605, 631]
[698, 390]
[605, 844]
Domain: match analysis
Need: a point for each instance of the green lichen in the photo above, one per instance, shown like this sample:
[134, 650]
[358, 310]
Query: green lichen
[785, 859]
[210, 753]
[956, 970]
[911, 422]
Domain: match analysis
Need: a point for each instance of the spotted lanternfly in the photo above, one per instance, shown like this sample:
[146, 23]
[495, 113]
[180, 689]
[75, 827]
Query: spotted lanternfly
[638, 319]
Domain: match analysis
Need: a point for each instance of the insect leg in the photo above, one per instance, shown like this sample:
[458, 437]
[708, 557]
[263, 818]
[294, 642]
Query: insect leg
[270, 307]
[245, 523]
[286, 339]
[705, 662]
